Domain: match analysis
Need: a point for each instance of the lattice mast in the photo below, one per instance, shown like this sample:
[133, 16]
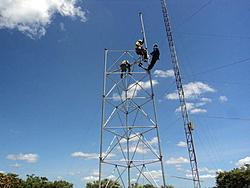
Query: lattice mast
[188, 126]
[130, 142]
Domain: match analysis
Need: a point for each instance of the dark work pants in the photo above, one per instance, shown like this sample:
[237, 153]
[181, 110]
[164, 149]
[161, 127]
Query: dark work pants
[124, 68]
[142, 52]
[152, 63]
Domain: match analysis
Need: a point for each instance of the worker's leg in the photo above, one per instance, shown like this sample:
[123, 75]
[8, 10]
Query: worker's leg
[123, 69]
[152, 63]
[145, 54]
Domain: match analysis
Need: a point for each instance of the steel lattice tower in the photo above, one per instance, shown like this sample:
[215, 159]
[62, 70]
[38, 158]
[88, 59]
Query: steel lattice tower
[188, 126]
[130, 142]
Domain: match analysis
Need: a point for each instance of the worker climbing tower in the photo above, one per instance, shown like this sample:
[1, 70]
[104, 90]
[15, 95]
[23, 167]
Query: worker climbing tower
[130, 151]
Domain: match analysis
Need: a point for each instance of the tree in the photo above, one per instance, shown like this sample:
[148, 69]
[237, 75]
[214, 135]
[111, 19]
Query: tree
[12, 181]
[136, 185]
[105, 182]
[238, 177]
[60, 184]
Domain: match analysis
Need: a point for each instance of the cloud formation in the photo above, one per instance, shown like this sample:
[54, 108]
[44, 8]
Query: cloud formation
[73, 173]
[223, 99]
[89, 178]
[89, 156]
[173, 160]
[15, 166]
[155, 174]
[192, 90]
[205, 169]
[202, 176]
[135, 88]
[33, 17]
[29, 158]
[182, 144]
[193, 108]
[164, 74]
[244, 161]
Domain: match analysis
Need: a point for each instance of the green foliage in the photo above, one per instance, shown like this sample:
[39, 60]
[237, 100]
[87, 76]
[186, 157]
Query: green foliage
[32, 181]
[238, 177]
[106, 182]
[10, 180]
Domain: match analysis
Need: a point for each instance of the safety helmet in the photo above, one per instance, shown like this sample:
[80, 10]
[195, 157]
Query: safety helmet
[155, 45]
[140, 40]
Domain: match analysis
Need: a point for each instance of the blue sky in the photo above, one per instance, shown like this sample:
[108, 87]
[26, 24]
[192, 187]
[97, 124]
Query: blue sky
[51, 59]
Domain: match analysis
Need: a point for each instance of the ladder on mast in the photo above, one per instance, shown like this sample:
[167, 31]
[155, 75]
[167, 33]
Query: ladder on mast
[187, 124]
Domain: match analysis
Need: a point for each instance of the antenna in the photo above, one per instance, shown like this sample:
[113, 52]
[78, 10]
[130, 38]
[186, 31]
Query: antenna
[188, 126]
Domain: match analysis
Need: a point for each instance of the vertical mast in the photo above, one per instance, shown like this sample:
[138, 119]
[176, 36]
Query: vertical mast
[153, 98]
[188, 126]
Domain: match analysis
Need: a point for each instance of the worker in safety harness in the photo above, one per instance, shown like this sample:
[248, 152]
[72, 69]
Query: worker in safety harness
[140, 50]
[155, 56]
[125, 65]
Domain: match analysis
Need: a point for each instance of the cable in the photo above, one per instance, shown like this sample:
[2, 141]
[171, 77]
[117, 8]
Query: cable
[83, 140]
[236, 83]
[214, 145]
[194, 14]
[171, 125]
[243, 119]
[218, 68]
[214, 35]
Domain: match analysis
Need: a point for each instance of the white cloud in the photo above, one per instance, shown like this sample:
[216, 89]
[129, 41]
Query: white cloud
[178, 166]
[139, 149]
[89, 156]
[134, 88]
[155, 174]
[95, 172]
[2, 172]
[15, 165]
[111, 177]
[182, 144]
[133, 138]
[164, 74]
[89, 178]
[197, 110]
[29, 158]
[173, 160]
[33, 17]
[207, 176]
[154, 140]
[244, 161]
[60, 177]
[205, 169]
[191, 107]
[206, 99]
[73, 173]
[62, 27]
[223, 99]
[202, 176]
[192, 90]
